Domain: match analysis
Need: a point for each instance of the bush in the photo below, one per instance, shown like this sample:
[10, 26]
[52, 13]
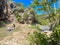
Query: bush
[55, 36]
[38, 39]
[44, 22]
[2, 23]
[41, 19]
[42, 39]
[25, 16]
[17, 16]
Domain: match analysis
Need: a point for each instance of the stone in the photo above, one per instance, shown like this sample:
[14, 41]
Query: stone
[44, 28]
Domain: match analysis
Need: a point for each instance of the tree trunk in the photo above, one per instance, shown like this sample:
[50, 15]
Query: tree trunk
[59, 21]
[54, 8]
[6, 8]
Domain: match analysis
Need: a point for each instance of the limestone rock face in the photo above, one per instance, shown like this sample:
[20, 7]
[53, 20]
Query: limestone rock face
[11, 6]
[7, 8]
[27, 16]
[2, 8]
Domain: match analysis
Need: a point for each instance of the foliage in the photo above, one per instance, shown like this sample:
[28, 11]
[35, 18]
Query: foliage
[41, 19]
[45, 5]
[17, 16]
[25, 16]
[58, 10]
[35, 27]
[55, 36]
[2, 23]
[38, 39]
[42, 39]
[44, 22]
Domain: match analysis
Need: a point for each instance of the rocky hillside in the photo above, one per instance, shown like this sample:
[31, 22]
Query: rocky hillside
[17, 36]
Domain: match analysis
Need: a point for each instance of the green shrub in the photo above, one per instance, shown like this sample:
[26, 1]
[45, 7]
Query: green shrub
[17, 16]
[38, 39]
[41, 19]
[44, 22]
[25, 16]
[2, 23]
[55, 36]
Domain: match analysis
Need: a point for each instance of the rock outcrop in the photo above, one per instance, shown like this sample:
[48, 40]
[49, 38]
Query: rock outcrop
[27, 16]
[2, 8]
[8, 8]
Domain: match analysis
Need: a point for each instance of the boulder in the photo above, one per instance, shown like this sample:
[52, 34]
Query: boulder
[44, 27]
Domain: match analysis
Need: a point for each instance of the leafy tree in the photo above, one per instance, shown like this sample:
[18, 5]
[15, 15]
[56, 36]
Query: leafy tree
[43, 4]
[46, 7]
[58, 15]
[42, 39]
[54, 2]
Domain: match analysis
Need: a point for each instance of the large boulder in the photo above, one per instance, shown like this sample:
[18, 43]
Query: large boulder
[30, 15]
[44, 28]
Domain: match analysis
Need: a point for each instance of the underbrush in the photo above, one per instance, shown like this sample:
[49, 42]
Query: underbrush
[2, 23]
[17, 16]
